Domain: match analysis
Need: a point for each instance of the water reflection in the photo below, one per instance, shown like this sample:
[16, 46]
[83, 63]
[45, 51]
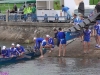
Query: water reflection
[62, 62]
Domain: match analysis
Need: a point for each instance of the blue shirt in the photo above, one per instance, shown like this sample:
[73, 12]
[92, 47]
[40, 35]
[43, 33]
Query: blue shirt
[20, 49]
[38, 41]
[65, 9]
[50, 41]
[87, 34]
[97, 28]
[77, 21]
[61, 35]
[5, 53]
[13, 51]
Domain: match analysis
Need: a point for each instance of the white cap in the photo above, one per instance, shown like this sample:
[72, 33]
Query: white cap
[4, 47]
[18, 45]
[34, 38]
[13, 44]
[47, 35]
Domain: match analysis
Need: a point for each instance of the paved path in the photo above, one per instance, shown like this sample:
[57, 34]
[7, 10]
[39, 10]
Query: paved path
[75, 50]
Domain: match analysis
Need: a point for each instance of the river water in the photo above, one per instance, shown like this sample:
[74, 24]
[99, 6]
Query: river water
[52, 66]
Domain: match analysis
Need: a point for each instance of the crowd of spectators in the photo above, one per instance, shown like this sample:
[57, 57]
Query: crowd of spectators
[25, 10]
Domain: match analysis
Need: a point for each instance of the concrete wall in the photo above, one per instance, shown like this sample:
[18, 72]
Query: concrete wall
[20, 32]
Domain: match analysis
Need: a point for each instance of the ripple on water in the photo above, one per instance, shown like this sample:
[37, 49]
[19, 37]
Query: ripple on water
[55, 66]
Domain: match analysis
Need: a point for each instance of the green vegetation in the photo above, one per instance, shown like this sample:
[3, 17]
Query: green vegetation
[94, 2]
[5, 7]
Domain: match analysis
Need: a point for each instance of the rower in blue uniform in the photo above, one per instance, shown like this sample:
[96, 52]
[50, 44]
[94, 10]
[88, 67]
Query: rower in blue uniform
[61, 36]
[14, 52]
[20, 49]
[40, 43]
[97, 28]
[50, 43]
[5, 52]
[86, 39]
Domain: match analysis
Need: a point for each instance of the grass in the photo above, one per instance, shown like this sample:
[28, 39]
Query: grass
[5, 7]
[94, 2]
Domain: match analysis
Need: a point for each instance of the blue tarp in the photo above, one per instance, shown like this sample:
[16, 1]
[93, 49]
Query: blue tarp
[72, 35]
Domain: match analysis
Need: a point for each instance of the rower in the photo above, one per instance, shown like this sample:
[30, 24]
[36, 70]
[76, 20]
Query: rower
[40, 43]
[50, 43]
[14, 52]
[5, 52]
[20, 49]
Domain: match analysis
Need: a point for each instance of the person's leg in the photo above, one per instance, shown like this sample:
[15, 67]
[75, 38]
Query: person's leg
[50, 46]
[41, 51]
[64, 49]
[96, 39]
[88, 44]
[84, 46]
[69, 15]
[99, 41]
[60, 49]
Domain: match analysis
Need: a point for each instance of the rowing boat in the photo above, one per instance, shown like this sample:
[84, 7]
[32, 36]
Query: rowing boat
[27, 56]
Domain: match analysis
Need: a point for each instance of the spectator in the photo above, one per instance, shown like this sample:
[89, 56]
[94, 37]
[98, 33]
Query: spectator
[15, 8]
[97, 7]
[66, 11]
[34, 13]
[25, 13]
[81, 8]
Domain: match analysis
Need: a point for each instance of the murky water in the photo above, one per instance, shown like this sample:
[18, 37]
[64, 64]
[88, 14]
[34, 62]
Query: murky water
[53, 66]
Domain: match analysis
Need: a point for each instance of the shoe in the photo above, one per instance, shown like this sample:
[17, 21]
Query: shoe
[96, 45]
[99, 46]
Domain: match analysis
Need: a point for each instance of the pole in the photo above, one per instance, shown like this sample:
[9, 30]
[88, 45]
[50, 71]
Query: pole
[49, 5]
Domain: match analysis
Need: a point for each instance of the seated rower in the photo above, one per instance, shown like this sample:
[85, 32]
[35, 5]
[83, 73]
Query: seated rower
[40, 43]
[50, 43]
[14, 52]
[5, 52]
[20, 49]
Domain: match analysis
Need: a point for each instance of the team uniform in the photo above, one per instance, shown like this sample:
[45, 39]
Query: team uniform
[87, 35]
[51, 42]
[39, 42]
[97, 28]
[61, 36]
[20, 49]
[14, 51]
[5, 53]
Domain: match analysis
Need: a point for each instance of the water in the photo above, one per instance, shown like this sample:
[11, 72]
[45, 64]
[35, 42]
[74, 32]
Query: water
[53, 66]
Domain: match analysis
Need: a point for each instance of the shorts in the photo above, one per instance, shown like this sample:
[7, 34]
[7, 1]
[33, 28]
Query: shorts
[86, 40]
[63, 41]
[43, 43]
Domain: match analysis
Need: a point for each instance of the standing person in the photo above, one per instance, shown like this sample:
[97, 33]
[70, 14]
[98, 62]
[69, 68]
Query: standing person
[86, 41]
[81, 8]
[33, 17]
[40, 43]
[97, 32]
[62, 45]
[55, 37]
[66, 11]
[15, 8]
[97, 7]
[25, 13]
